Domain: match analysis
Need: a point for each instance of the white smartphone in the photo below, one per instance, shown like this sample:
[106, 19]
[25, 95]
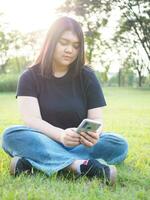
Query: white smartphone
[88, 125]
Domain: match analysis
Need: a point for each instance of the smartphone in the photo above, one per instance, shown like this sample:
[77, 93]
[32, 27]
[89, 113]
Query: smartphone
[88, 125]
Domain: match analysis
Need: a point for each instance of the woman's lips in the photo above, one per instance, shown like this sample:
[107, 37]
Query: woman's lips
[67, 57]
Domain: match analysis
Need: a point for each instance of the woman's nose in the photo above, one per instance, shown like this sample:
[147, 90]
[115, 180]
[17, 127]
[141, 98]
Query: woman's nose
[69, 49]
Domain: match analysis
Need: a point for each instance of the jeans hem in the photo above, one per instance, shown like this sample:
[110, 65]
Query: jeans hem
[50, 172]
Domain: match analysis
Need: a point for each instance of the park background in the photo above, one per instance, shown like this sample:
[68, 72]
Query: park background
[117, 42]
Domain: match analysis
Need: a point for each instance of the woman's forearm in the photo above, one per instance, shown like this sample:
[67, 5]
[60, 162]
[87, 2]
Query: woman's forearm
[44, 127]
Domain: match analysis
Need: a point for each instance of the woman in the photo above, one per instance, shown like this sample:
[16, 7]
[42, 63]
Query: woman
[54, 96]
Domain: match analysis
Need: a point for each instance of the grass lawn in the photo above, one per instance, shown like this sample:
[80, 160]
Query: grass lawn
[127, 113]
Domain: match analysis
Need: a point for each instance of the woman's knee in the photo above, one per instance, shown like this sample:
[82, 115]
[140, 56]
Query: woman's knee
[6, 137]
[123, 151]
[121, 148]
[117, 141]
[16, 139]
[118, 147]
[125, 145]
[9, 135]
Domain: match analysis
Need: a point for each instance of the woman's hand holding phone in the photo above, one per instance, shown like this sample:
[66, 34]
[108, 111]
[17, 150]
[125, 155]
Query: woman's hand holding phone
[89, 138]
[70, 137]
[89, 131]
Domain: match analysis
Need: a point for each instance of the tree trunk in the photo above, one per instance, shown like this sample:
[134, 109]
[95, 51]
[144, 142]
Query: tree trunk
[140, 79]
[119, 78]
[148, 69]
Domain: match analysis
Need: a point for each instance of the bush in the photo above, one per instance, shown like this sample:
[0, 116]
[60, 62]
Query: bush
[8, 82]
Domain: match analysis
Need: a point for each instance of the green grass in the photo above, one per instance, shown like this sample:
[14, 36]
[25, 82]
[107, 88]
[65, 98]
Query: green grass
[127, 113]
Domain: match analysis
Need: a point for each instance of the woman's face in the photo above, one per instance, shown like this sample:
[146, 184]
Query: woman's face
[67, 49]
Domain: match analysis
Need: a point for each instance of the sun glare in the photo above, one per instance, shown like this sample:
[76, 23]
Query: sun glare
[29, 15]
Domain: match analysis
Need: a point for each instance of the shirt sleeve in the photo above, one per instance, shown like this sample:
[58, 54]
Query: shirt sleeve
[94, 93]
[26, 85]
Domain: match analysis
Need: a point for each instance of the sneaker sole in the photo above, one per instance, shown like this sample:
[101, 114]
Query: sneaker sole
[113, 175]
[113, 172]
[13, 164]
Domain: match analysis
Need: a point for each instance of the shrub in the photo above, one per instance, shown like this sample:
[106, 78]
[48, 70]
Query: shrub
[8, 82]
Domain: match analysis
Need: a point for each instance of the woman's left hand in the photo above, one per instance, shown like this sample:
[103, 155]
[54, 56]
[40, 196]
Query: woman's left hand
[89, 139]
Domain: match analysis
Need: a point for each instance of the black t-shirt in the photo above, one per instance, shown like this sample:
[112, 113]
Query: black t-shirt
[63, 101]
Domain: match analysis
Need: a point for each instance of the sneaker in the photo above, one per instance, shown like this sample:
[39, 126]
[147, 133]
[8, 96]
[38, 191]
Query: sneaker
[99, 169]
[19, 165]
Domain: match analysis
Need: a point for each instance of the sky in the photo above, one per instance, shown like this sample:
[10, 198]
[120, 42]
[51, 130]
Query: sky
[29, 15]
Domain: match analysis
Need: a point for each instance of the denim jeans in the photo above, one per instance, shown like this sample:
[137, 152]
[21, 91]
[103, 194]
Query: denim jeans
[50, 156]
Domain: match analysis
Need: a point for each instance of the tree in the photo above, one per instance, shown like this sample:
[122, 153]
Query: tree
[135, 18]
[134, 33]
[4, 44]
[136, 63]
[104, 75]
[93, 16]
[16, 65]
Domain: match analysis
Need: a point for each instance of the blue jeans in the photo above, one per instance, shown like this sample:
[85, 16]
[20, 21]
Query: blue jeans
[50, 156]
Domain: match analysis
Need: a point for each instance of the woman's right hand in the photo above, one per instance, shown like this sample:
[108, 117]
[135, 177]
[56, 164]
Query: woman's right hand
[70, 137]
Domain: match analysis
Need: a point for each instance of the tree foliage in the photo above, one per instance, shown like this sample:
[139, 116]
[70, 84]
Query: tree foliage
[93, 16]
[17, 50]
[133, 34]
[135, 19]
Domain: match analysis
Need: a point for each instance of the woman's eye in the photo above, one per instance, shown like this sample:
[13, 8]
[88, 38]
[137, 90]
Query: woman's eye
[63, 42]
[76, 46]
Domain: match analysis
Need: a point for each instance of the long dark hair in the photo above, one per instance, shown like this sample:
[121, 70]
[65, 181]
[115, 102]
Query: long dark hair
[45, 58]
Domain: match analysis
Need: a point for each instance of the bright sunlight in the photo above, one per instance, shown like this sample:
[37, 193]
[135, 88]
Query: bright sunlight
[29, 15]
